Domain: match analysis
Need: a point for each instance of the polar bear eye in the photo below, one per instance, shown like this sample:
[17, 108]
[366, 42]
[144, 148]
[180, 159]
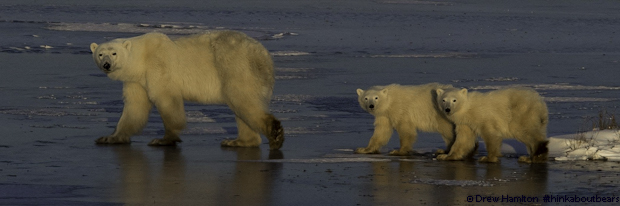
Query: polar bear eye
[114, 53]
[376, 98]
[366, 98]
[100, 54]
[443, 100]
[454, 100]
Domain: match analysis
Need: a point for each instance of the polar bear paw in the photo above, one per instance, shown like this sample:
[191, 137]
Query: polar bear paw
[401, 152]
[441, 151]
[276, 135]
[164, 142]
[525, 159]
[366, 150]
[239, 143]
[488, 159]
[448, 157]
[112, 140]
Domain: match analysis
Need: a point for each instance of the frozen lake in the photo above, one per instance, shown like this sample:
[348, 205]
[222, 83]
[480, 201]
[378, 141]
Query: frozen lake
[55, 102]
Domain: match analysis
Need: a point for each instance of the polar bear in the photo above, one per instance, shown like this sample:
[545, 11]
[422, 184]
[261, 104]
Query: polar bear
[222, 67]
[406, 109]
[518, 113]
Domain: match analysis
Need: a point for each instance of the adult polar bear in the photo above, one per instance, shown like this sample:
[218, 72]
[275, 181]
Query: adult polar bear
[224, 67]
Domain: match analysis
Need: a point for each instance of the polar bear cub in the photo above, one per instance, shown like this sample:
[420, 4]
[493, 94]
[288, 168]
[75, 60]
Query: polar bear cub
[223, 67]
[518, 113]
[406, 109]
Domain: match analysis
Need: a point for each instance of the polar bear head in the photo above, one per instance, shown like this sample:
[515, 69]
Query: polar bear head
[373, 100]
[451, 101]
[111, 56]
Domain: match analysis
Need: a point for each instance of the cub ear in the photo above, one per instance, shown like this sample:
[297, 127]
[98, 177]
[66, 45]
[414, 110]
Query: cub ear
[439, 92]
[127, 45]
[93, 46]
[384, 91]
[463, 91]
[360, 92]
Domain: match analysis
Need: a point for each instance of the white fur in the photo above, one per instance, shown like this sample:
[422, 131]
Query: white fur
[406, 109]
[223, 67]
[518, 113]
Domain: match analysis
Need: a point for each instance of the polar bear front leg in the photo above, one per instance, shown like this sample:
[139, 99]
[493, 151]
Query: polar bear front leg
[407, 134]
[464, 145]
[247, 137]
[380, 137]
[135, 115]
[173, 115]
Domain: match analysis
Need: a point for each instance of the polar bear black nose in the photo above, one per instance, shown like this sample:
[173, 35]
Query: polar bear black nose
[106, 65]
[447, 110]
[371, 106]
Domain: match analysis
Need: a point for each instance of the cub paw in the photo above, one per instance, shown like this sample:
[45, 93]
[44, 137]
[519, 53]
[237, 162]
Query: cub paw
[112, 140]
[535, 159]
[363, 150]
[448, 157]
[400, 153]
[488, 159]
[441, 151]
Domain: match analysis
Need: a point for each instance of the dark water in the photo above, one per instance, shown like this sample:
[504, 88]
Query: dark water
[55, 102]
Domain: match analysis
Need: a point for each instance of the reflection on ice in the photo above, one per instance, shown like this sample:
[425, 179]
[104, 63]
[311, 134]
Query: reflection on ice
[326, 160]
[462, 183]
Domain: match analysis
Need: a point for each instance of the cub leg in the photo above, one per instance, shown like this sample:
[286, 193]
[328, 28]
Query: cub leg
[380, 137]
[465, 144]
[493, 144]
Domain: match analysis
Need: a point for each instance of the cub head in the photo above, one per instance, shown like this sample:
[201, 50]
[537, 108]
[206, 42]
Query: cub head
[373, 100]
[451, 100]
[111, 56]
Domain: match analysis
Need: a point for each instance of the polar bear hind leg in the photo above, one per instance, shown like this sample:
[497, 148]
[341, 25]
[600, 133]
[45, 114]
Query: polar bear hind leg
[250, 123]
[493, 144]
[253, 118]
[247, 137]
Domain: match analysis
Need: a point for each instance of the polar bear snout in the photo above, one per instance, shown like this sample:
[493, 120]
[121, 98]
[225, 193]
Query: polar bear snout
[371, 106]
[106, 66]
[447, 110]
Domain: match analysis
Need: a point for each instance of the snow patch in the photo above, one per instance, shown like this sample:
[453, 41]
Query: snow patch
[592, 145]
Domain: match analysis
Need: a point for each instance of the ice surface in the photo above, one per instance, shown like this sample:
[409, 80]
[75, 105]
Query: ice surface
[55, 102]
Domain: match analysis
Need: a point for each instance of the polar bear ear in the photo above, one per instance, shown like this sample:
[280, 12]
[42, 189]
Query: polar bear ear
[463, 91]
[439, 92]
[384, 91]
[127, 45]
[360, 92]
[93, 46]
